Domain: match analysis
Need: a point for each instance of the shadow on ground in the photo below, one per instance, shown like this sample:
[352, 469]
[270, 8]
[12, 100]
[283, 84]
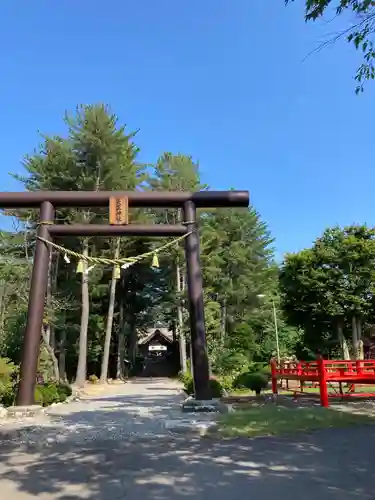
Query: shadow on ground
[329, 465]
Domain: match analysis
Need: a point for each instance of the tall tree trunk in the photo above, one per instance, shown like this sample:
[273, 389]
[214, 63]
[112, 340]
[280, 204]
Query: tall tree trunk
[359, 336]
[111, 308]
[47, 329]
[120, 375]
[342, 340]
[180, 322]
[223, 321]
[62, 356]
[55, 273]
[2, 306]
[355, 338]
[82, 356]
[52, 355]
[132, 344]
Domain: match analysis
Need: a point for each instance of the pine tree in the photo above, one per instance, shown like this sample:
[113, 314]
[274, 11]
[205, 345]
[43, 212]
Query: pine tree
[175, 173]
[96, 154]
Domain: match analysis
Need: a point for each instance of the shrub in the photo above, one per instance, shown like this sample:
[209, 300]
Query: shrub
[8, 374]
[188, 384]
[47, 394]
[64, 391]
[93, 379]
[7, 369]
[266, 370]
[215, 387]
[226, 382]
[228, 361]
[7, 395]
[254, 381]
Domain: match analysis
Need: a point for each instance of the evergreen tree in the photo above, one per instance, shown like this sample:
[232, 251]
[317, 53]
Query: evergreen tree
[175, 173]
[96, 154]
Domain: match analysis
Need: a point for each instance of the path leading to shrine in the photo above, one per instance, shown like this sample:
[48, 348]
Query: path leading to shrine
[115, 445]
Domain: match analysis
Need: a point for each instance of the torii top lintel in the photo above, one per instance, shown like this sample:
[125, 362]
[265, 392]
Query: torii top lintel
[165, 199]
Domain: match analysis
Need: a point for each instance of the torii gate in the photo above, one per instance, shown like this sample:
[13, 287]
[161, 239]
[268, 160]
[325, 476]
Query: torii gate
[48, 201]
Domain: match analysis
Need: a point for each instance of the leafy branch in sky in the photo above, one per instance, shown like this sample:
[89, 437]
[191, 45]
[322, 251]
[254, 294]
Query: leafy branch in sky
[359, 32]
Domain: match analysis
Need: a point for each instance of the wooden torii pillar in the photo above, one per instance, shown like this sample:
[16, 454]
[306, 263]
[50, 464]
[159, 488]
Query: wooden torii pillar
[48, 201]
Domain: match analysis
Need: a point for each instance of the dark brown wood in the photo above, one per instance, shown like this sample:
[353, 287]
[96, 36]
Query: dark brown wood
[202, 199]
[38, 288]
[118, 210]
[107, 230]
[196, 306]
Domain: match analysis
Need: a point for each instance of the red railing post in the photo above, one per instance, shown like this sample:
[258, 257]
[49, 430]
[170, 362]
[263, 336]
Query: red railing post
[274, 376]
[322, 382]
[359, 367]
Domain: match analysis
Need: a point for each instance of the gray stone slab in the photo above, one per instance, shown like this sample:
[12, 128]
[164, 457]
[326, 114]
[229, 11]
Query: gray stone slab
[191, 405]
[24, 411]
[195, 427]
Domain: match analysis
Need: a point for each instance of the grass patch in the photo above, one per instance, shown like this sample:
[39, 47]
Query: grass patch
[307, 390]
[271, 420]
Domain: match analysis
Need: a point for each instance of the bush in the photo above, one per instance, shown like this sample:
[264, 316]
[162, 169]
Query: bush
[47, 394]
[254, 381]
[189, 384]
[65, 391]
[215, 387]
[8, 375]
[226, 382]
[255, 367]
[93, 379]
[228, 362]
[186, 379]
[7, 369]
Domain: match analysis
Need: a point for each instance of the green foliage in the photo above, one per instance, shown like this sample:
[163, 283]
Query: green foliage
[8, 373]
[254, 381]
[7, 369]
[64, 390]
[229, 361]
[216, 387]
[226, 382]
[93, 379]
[45, 364]
[359, 33]
[47, 394]
[325, 286]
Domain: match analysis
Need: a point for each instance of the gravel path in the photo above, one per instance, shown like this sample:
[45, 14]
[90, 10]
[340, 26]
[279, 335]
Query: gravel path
[137, 409]
[92, 450]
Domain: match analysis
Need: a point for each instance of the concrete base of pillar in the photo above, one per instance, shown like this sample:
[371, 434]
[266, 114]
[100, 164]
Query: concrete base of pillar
[191, 405]
[23, 411]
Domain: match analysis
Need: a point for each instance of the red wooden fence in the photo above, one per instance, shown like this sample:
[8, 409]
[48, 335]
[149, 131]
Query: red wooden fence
[325, 372]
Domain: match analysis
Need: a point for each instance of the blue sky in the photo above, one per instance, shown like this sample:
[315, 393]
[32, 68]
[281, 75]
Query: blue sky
[221, 80]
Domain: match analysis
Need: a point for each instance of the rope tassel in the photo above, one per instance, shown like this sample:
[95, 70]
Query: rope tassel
[117, 273]
[79, 269]
[155, 261]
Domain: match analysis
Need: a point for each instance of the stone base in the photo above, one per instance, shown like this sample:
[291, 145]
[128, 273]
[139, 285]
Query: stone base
[24, 411]
[191, 405]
